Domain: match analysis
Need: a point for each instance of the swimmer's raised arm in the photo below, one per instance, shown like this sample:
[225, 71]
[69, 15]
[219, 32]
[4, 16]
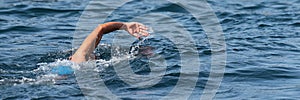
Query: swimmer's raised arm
[93, 39]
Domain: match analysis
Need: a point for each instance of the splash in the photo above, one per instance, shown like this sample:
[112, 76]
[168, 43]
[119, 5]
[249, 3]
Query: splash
[134, 49]
[43, 74]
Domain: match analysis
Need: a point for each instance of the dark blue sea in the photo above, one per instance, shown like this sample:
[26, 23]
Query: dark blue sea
[261, 40]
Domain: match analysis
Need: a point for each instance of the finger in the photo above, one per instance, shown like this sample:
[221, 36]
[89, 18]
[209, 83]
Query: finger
[144, 33]
[136, 35]
[141, 30]
[143, 27]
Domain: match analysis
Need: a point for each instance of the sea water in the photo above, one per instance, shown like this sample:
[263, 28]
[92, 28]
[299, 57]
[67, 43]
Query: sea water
[262, 41]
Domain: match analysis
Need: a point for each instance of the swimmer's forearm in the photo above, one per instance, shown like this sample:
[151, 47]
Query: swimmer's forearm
[110, 27]
[91, 42]
[93, 39]
[107, 28]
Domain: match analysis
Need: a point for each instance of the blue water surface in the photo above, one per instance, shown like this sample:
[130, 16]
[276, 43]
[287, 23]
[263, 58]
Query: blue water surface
[262, 38]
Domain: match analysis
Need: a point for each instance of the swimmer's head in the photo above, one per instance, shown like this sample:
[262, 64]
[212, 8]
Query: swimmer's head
[142, 48]
[146, 51]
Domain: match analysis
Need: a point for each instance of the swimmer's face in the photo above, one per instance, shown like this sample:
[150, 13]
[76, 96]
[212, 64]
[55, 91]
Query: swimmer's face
[146, 51]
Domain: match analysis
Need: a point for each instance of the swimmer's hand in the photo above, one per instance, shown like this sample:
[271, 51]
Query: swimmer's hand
[135, 29]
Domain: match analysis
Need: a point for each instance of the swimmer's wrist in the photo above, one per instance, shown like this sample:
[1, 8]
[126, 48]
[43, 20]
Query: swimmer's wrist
[123, 27]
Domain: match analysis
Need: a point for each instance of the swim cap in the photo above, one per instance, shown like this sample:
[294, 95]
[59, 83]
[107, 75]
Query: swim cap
[62, 70]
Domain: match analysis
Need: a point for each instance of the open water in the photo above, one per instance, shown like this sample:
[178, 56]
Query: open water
[262, 45]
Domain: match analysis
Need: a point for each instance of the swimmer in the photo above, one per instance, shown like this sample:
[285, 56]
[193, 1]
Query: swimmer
[85, 51]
